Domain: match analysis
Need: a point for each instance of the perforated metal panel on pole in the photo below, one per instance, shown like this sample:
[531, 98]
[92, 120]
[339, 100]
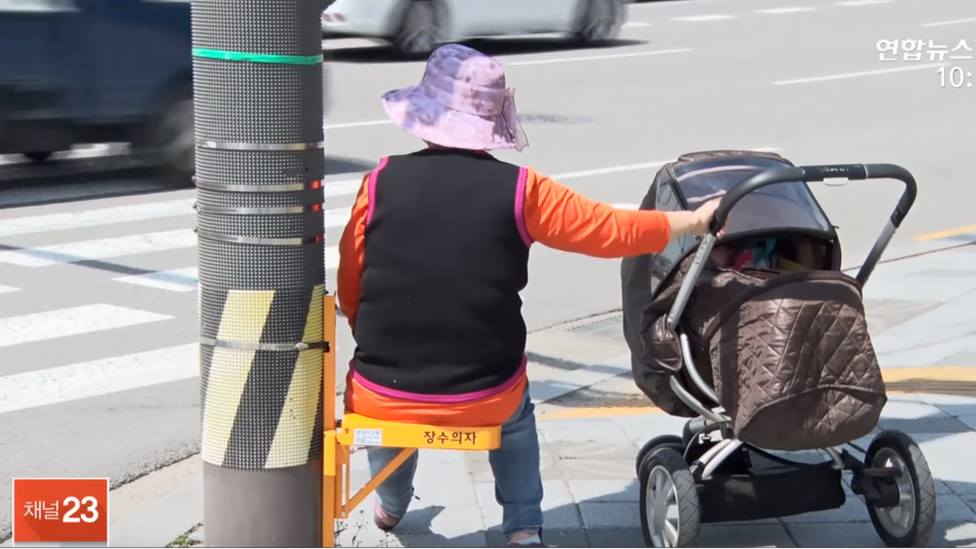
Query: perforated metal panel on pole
[257, 72]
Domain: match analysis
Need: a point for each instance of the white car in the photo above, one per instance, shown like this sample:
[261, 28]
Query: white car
[416, 27]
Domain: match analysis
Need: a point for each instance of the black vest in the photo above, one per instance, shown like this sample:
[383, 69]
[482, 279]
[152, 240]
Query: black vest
[439, 309]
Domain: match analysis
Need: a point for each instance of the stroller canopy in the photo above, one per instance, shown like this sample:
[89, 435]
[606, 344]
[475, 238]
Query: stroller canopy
[789, 206]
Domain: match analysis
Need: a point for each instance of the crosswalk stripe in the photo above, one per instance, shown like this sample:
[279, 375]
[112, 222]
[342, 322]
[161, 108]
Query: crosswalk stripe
[94, 218]
[100, 377]
[107, 248]
[93, 250]
[8, 289]
[34, 224]
[332, 258]
[85, 319]
[186, 280]
[176, 280]
[786, 10]
[337, 217]
[851, 3]
[341, 188]
[701, 18]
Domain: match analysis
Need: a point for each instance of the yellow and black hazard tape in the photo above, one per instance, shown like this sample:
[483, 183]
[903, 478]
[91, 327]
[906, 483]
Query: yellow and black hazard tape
[261, 395]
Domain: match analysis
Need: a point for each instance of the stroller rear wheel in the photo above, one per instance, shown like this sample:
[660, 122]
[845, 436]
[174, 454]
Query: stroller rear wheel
[910, 522]
[663, 441]
[670, 515]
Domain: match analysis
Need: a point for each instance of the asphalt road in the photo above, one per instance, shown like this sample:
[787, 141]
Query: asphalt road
[800, 77]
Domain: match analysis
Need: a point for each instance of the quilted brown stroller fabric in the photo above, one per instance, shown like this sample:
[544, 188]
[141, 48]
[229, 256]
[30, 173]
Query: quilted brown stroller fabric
[788, 355]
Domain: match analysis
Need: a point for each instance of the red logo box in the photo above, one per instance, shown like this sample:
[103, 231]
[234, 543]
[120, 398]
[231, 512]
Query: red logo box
[60, 510]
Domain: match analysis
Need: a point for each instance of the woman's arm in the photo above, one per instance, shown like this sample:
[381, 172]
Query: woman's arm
[561, 218]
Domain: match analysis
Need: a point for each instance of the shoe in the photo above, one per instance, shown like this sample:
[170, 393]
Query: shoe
[384, 521]
[535, 540]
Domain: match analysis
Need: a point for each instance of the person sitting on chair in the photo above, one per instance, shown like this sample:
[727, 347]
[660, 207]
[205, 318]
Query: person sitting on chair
[430, 268]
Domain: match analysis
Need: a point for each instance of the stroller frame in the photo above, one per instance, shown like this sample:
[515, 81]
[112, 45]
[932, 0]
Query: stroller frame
[689, 479]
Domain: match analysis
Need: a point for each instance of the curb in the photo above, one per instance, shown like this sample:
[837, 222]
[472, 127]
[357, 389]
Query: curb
[163, 516]
[913, 249]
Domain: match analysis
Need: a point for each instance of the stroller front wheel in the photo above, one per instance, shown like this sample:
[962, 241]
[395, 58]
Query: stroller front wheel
[909, 523]
[664, 441]
[670, 515]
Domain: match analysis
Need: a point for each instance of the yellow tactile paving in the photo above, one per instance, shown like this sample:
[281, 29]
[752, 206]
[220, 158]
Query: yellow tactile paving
[946, 380]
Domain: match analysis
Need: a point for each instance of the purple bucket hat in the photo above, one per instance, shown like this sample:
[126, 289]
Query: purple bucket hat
[461, 102]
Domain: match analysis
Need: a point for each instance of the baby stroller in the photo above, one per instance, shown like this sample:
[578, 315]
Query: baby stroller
[761, 340]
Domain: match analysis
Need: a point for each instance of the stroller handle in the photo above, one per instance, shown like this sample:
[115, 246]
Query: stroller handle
[805, 174]
[850, 172]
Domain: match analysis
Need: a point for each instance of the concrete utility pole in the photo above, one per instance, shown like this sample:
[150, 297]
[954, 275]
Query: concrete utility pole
[257, 72]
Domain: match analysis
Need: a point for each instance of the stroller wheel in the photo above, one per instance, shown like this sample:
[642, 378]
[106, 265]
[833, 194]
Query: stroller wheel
[910, 522]
[663, 441]
[670, 515]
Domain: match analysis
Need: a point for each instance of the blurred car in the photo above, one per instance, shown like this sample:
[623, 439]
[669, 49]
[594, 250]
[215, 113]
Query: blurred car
[97, 71]
[415, 27]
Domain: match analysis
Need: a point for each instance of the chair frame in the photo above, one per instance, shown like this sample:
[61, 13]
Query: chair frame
[341, 435]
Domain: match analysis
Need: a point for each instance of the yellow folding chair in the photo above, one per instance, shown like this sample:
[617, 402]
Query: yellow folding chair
[339, 501]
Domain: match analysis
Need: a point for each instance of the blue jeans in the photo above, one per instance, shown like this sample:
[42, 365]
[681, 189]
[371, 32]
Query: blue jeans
[515, 465]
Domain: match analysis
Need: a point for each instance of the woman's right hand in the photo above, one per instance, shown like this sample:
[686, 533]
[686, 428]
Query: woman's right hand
[703, 216]
[695, 222]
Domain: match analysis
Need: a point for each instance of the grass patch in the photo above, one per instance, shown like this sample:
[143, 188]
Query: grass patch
[187, 539]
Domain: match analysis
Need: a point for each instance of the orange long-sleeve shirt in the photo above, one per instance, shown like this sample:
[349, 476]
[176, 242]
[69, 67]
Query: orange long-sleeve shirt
[555, 216]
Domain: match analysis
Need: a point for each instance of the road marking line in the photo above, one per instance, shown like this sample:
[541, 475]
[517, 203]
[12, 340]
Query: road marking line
[952, 22]
[8, 289]
[16, 330]
[177, 280]
[854, 3]
[35, 224]
[786, 10]
[342, 188]
[92, 218]
[94, 250]
[332, 257]
[188, 279]
[96, 378]
[364, 124]
[595, 57]
[856, 74]
[632, 167]
[929, 373]
[890, 375]
[337, 217]
[632, 24]
[610, 170]
[948, 233]
[703, 18]
[626, 206]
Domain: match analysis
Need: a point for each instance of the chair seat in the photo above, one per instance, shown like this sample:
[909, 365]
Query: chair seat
[357, 430]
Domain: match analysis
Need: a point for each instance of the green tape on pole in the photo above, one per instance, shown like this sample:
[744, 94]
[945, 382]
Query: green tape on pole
[258, 57]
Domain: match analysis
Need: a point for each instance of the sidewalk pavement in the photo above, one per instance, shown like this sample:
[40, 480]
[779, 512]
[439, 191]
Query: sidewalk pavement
[591, 494]
[592, 420]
